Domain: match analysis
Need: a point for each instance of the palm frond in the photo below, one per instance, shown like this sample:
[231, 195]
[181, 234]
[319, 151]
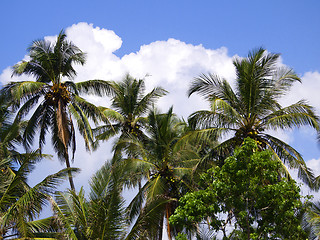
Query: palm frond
[148, 100]
[288, 155]
[30, 201]
[83, 124]
[106, 132]
[312, 220]
[96, 87]
[149, 222]
[205, 85]
[135, 206]
[295, 115]
[112, 114]
[18, 92]
[63, 215]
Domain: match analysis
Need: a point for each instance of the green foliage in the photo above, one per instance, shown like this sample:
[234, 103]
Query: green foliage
[249, 191]
[181, 236]
[252, 108]
[100, 217]
[167, 168]
[311, 220]
[127, 115]
[21, 204]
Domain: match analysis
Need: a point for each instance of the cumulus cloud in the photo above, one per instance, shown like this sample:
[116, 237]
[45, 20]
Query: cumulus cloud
[171, 64]
[309, 89]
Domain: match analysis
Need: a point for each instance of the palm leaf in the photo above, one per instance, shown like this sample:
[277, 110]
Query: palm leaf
[96, 87]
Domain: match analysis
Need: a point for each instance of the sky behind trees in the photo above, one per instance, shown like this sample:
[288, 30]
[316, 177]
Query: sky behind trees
[170, 42]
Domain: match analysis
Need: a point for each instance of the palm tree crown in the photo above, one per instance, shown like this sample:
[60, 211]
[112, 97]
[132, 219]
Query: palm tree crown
[253, 108]
[129, 105]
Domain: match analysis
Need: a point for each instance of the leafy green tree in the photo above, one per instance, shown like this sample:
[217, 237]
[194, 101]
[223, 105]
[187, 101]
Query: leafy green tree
[252, 108]
[169, 167]
[247, 193]
[60, 102]
[100, 217]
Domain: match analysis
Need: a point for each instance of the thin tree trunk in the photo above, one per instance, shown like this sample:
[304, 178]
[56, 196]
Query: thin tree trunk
[64, 135]
[160, 228]
[168, 224]
[69, 172]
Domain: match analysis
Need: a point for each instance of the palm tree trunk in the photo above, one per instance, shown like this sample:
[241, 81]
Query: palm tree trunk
[160, 228]
[168, 224]
[69, 172]
[64, 135]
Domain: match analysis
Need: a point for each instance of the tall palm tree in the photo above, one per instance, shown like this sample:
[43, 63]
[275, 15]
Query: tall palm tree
[169, 167]
[100, 217]
[252, 108]
[60, 102]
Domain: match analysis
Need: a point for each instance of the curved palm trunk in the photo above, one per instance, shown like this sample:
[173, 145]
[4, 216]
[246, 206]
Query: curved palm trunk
[69, 172]
[64, 135]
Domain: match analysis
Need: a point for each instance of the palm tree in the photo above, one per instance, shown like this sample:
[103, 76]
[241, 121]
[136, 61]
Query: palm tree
[21, 204]
[128, 108]
[59, 100]
[100, 217]
[126, 116]
[253, 108]
[169, 167]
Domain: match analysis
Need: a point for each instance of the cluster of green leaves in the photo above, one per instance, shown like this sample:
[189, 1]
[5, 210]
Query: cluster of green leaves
[249, 191]
[100, 217]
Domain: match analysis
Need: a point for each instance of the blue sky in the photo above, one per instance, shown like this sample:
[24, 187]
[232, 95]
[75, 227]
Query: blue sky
[288, 27]
[228, 28]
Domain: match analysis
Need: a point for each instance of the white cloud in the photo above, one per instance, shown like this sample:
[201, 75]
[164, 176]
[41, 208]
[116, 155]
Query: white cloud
[308, 90]
[171, 64]
[314, 164]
